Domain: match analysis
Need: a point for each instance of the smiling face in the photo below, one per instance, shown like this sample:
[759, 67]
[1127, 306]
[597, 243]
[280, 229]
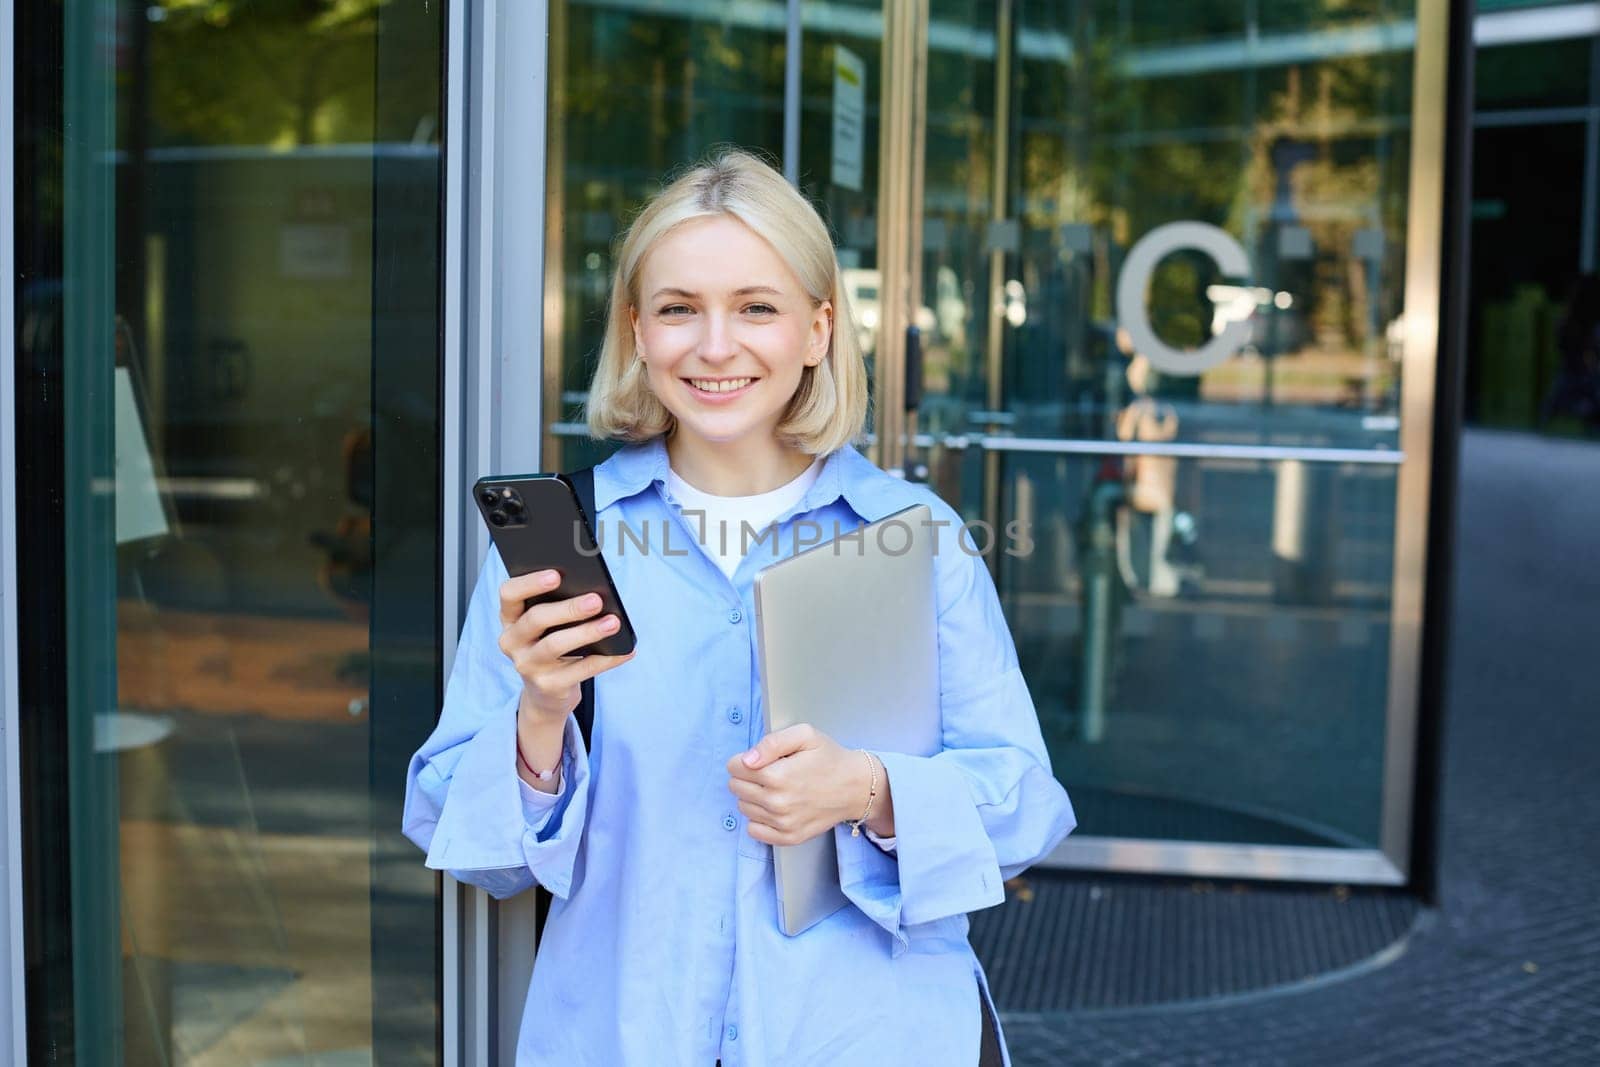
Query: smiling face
[725, 331]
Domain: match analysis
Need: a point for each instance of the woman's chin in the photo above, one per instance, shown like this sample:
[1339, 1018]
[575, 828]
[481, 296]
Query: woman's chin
[718, 431]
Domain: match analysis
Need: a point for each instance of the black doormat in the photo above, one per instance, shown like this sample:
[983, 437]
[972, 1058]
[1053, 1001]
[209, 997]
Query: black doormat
[1078, 942]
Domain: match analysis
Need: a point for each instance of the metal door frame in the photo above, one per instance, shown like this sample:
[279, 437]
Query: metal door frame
[902, 135]
[13, 1007]
[494, 247]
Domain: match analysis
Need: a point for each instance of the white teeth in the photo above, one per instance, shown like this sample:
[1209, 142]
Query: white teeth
[720, 387]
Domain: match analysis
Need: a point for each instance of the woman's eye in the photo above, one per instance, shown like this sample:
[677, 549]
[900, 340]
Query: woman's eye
[674, 310]
[762, 309]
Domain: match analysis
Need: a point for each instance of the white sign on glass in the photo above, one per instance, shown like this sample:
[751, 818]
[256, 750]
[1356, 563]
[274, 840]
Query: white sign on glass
[139, 510]
[849, 117]
[314, 251]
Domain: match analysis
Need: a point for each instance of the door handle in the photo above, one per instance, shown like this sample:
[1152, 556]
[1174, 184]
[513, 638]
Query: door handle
[913, 367]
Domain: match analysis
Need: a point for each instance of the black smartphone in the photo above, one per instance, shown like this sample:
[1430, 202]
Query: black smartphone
[537, 524]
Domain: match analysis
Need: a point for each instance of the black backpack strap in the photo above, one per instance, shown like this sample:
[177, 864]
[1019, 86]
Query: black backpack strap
[583, 484]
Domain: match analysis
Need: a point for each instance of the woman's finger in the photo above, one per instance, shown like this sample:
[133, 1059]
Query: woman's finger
[585, 667]
[766, 777]
[514, 593]
[533, 624]
[756, 813]
[772, 835]
[766, 834]
[558, 643]
[750, 793]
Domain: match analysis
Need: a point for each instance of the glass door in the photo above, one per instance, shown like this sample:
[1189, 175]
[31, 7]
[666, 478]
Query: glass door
[1159, 256]
[228, 501]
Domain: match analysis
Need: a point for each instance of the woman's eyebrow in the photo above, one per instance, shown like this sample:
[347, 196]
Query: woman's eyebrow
[687, 295]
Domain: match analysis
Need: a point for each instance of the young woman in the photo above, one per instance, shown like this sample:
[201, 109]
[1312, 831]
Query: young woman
[731, 368]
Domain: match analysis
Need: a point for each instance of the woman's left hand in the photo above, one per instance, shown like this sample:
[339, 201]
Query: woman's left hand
[798, 783]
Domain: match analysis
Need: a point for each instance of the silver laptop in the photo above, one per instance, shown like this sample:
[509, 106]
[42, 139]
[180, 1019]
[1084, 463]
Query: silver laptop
[849, 642]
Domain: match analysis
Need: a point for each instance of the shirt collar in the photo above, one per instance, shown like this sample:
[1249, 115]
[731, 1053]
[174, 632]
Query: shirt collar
[845, 472]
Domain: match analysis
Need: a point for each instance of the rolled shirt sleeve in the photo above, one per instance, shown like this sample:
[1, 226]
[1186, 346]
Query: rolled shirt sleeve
[465, 804]
[885, 843]
[537, 805]
[987, 805]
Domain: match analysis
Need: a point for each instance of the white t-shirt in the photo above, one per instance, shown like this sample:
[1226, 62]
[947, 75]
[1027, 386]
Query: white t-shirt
[724, 534]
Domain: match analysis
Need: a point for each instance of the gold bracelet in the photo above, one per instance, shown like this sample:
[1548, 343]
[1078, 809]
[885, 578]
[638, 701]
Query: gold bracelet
[872, 794]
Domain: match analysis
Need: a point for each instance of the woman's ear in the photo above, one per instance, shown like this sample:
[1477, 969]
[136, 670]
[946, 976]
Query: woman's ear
[821, 333]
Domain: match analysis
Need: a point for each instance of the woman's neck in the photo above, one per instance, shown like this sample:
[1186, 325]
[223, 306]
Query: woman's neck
[742, 470]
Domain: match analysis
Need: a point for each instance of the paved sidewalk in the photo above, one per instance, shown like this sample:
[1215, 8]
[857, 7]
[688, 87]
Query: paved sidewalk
[1507, 970]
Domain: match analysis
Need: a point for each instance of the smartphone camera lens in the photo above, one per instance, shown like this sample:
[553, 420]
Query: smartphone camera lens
[513, 506]
[497, 517]
[489, 497]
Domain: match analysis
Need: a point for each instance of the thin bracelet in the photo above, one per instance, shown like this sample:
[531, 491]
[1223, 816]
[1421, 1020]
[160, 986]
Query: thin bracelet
[872, 794]
[543, 776]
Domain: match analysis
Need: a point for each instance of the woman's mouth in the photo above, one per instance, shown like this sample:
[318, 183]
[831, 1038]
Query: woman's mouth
[720, 390]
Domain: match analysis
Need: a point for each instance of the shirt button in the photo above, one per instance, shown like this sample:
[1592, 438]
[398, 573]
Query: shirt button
[729, 822]
[734, 615]
[735, 716]
[733, 1032]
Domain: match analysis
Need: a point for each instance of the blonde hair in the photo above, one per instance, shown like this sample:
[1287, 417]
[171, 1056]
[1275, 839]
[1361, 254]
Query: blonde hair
[829, 408]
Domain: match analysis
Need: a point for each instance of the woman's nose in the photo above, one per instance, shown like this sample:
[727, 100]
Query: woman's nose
[718, 340]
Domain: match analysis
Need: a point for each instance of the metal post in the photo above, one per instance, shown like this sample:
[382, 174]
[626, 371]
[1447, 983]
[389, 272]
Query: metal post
[452, 594]
[551, 449]
[1590, 249]
[1100, 578]
[13, 1009]
[1425, 235]
[792, 44]
[497, 200]
[1000, 229]
[1455, 255]
[899, 218]
[89, 258]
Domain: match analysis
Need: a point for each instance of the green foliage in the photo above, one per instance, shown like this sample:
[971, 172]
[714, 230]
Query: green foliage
[283, 73]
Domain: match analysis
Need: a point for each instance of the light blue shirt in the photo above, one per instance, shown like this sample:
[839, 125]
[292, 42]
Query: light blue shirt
[662, 945]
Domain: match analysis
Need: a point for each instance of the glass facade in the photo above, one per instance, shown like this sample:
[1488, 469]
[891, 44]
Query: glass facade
[228, 403]
[1534, 331]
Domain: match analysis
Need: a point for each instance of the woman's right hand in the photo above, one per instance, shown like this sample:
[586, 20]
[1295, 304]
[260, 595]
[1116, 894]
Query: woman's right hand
[542, 655]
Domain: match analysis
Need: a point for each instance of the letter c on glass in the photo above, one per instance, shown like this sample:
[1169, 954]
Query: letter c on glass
[1133, 285]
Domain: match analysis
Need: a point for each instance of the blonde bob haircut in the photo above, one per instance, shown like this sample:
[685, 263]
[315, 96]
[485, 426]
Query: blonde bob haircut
[829, 408]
